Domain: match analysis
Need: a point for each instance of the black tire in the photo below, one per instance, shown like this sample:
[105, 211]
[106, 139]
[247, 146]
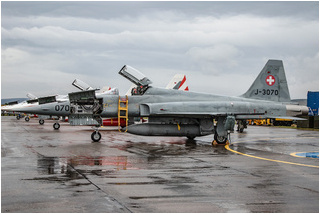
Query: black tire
[27, 119]
[191, 137]
[18, 117]
[56, 126]
[41, 122]
[95, 136]
[220, 139]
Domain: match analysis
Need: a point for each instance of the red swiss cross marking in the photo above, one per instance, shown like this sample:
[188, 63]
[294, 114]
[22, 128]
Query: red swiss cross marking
[270, 80]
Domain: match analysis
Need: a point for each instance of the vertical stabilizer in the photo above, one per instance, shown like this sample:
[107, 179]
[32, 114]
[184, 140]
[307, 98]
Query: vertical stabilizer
[271, 84]
[178, 82]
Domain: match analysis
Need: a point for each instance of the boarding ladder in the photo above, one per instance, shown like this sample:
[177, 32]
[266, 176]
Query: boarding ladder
[122, 111]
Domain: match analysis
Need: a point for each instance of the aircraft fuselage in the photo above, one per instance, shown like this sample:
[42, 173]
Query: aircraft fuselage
[161, 102]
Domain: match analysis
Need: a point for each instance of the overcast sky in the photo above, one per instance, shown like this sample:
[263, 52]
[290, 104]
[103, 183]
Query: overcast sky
[220, 46]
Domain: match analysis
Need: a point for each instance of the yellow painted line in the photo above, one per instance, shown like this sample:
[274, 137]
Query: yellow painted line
[267, 159]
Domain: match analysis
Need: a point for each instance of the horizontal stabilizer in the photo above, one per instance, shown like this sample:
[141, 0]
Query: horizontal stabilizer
[289, 118]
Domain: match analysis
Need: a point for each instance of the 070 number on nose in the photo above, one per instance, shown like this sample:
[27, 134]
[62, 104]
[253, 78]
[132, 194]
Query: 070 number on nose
[62, 107]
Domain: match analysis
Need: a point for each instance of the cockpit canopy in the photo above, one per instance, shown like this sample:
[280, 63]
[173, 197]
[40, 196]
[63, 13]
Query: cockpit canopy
[135, 76]
[81, 85]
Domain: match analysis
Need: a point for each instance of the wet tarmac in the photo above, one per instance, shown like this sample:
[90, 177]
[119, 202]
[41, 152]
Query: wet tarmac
[45, 170]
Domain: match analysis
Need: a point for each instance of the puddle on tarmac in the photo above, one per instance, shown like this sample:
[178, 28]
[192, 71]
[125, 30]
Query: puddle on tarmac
[50, 169]
[56, 165]
[63, 169]
[117, 162]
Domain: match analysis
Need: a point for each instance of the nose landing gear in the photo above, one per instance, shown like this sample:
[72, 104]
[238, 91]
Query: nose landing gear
[41, 121]
[96, 136]
[56, 126]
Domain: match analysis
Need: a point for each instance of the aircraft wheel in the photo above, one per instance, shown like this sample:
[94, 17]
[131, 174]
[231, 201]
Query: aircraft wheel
[220, 139]
[41, 122]
[56, 126]
[96, 136]
[191, 137]
[27, 119]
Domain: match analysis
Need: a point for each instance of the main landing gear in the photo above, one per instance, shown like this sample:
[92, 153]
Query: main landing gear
[225, 126]
[221, 140]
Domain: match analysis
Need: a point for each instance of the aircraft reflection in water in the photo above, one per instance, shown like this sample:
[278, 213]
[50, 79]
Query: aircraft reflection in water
[119, 162]
[55, 165]
[182, 113]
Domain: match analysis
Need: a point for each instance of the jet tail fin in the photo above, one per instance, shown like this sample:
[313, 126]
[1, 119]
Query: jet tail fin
[271, 84]
[178, 82]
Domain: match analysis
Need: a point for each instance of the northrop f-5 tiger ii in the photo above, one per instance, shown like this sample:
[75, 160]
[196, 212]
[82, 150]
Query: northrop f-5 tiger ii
[184, 113]
[59, 105]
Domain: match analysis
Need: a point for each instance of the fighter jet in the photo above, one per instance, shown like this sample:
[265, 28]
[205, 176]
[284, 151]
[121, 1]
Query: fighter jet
[184, 113]
[48, 106]
[51, 106]
[13, 106]
[59, 105]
